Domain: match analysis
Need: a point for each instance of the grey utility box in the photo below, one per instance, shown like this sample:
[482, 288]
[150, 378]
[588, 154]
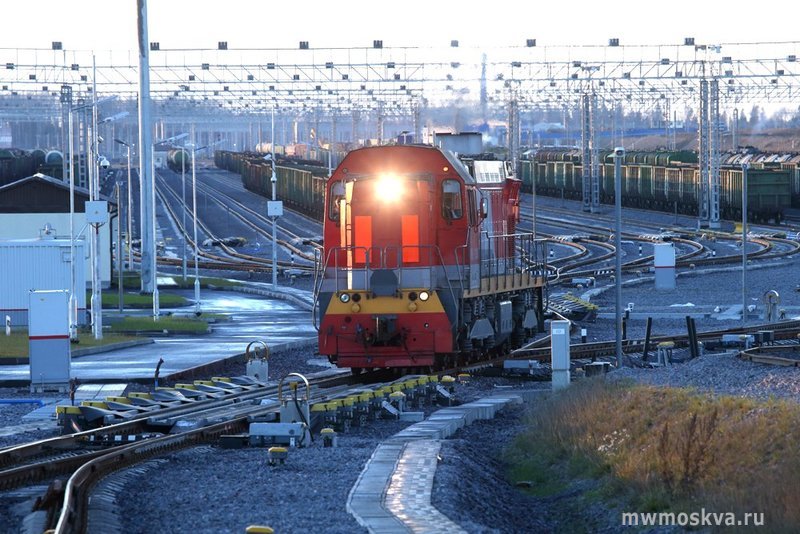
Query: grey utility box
[96, 212]
[48, 340]
[559, 349]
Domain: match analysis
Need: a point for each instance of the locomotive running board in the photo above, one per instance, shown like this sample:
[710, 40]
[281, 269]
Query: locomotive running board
[508, 282]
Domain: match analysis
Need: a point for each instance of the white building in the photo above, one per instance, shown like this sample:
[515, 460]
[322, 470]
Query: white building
[28, 205]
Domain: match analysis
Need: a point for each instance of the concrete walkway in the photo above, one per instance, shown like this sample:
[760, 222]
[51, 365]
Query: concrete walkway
[393, 491]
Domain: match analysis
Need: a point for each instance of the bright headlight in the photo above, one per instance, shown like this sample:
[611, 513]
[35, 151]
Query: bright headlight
[424, 295]
[389, 188]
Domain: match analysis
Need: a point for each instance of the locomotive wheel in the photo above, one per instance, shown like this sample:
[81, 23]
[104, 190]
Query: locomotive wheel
[356, 370]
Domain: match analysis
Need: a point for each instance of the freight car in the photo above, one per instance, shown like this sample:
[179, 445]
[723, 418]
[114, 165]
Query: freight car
[667, 181]
[300, 187]
[422, 263]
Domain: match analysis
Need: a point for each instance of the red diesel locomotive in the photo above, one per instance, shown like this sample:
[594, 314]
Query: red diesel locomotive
[422, 265]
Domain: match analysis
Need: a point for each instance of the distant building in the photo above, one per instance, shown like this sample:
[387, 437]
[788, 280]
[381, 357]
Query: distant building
[460, 143]
[30, 204]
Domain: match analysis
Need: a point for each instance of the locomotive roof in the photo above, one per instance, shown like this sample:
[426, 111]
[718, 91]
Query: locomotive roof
[451, 158]
[457, 164]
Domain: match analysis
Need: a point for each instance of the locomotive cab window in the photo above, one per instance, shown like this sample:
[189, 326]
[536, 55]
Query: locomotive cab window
[452, 205]
[337, 196]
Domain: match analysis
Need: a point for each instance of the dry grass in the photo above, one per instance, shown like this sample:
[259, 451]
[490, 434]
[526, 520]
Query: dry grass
[673, 449]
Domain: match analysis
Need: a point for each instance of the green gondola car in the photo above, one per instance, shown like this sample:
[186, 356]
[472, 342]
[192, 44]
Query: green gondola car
[670, 181]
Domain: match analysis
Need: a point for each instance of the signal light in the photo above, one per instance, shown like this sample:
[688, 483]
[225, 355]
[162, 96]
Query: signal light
[344, 298]
[424, 295]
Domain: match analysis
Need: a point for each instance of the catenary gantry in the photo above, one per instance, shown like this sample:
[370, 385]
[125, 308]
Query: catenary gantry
[398, 79]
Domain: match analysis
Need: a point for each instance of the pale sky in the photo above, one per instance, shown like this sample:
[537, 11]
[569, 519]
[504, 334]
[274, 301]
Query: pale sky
[111, 24]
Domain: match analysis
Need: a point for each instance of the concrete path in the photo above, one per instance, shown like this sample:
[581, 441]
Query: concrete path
[393, 492]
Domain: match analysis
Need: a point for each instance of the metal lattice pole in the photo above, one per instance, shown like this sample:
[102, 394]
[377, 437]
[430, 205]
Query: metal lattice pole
[703, 153]
[586, 155]
[713, 156]
[595, 157]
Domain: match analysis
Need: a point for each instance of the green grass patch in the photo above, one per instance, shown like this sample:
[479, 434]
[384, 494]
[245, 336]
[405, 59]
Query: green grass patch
[540, 473]
[215, 317]
[110, 300]
[132, 280]
[16, 345]
[173, 325]
[205, 282]
[665, 449]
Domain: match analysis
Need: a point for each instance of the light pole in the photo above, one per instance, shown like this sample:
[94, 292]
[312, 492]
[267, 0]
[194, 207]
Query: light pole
[274, 179]
[183, 207]
[152, 215]
[130, 186]
[745, 167]
[197, 307]
[197, 310]
[533, 192]
[94, 188]
[154, 263]
[619, 153]
[120, 304]
[73, 302]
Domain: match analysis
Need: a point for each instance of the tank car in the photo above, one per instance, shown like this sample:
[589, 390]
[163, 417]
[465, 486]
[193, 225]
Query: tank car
[422, 264]
[179, 160]
[53, 157]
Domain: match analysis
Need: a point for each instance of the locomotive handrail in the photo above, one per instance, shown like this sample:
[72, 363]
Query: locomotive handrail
[461, 269]
[317, 285]
[379, 258]
[293, 386]
[497, 264]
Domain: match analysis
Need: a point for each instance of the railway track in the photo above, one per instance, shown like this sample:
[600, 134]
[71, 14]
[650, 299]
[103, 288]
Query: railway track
[767, 250]
[785, 330]
[231, 257]
[785, 354]
[219, 183]
[248, 216]
[152, 428]
[207, 410]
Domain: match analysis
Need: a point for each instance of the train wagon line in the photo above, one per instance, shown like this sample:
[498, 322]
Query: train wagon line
[670, 181]
[300, 186]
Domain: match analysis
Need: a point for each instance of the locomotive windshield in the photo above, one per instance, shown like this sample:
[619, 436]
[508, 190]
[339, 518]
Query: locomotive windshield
[452, 206]
[337, 195]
